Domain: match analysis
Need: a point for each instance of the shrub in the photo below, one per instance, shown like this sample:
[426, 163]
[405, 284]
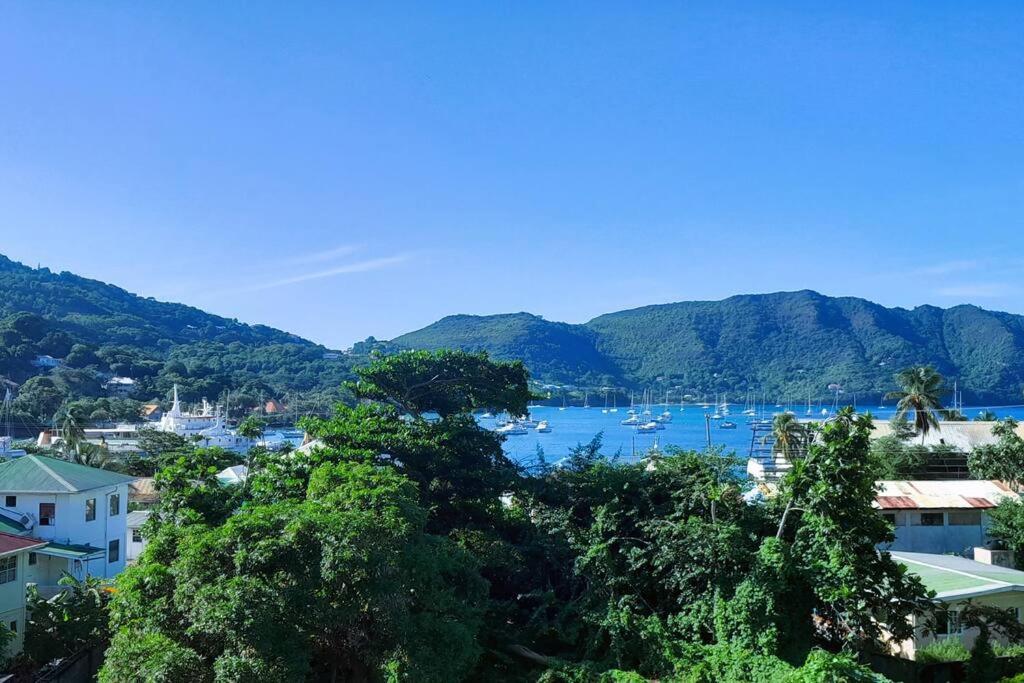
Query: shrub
[949, 650]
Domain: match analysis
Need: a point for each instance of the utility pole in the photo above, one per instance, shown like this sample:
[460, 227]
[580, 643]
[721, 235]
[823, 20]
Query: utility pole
[707, 428]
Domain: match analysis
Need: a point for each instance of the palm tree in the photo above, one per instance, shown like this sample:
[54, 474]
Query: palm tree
[790, 436]
[986, 416]
[921, 388]
[72, 431]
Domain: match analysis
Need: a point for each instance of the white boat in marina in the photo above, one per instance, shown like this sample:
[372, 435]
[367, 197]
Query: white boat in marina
[543, 427]
[586, 399]
[614, 408]
[631, 421]
[512, 429]
[647, 427]
[563, 400]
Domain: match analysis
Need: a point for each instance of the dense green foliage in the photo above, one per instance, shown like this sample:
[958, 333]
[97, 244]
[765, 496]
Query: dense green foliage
[789, 344]
[397, 547]
[99, 330]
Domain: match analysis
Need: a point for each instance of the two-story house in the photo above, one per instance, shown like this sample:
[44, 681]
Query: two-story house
[79, 511]
[16, 552]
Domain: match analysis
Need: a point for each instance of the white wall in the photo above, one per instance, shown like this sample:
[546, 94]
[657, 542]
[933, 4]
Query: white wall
[12, 602]
[70, 525]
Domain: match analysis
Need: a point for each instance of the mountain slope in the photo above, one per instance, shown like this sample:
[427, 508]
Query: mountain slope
[790, 344]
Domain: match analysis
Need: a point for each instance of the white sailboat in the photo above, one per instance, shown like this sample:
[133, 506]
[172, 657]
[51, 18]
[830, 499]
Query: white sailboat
[605, 409]
[586, 399]
[614, 408]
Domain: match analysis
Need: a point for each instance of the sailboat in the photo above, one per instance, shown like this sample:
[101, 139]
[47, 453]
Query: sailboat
[614, 408]
[563, 400]
[632, 404]
[605, 409]
[586, 399]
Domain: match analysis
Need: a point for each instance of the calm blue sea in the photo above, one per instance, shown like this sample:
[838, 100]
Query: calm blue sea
[579, 425]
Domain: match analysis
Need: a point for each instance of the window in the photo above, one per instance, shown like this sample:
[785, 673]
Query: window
[47, 514]
[33, 558]
[890, 517]
[11, 501]
[8, 569]
[136, 535]
[932, 519]
[114, 551]
[965, 518]
[90, 510]
[13, 626]
[947, 623]
[115, 504]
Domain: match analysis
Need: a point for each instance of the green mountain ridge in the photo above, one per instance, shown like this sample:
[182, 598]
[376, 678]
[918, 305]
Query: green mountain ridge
[791, 345]
[100, 330]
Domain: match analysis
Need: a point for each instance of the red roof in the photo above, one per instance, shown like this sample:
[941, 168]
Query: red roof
[895, 502]
[10, 543]
[979, 502]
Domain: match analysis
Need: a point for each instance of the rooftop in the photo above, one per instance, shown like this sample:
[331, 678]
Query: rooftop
[137, 518]
[955, 577]
[9, 543]
[71, 552]
[961, 436]
[941, 494]
[40, 474]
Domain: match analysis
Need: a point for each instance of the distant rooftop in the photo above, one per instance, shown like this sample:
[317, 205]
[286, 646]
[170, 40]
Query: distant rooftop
[955, 577]
[40, 474]
[941, 494]
[962, 436]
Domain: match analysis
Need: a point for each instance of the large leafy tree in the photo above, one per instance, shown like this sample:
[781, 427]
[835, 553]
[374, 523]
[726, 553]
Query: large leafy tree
[445, 382]
[920, 392]
[1002, 460]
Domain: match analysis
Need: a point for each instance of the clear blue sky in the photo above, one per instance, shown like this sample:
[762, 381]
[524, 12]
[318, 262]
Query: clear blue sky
[340, 172]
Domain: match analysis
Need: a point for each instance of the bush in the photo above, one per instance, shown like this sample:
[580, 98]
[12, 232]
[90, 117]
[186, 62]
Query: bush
[151, 657]
[949, 650]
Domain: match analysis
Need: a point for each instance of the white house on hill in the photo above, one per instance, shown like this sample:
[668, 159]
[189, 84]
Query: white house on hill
[80, 511]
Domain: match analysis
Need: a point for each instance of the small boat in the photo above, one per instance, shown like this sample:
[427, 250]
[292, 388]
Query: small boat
[543, 427]
[563, 401]
[614, 408]
[716, 416]
[647, 427]
[586, 399]
[512, 429]
[605, 409]
[631, 420]
[487, 416]
[727, 425]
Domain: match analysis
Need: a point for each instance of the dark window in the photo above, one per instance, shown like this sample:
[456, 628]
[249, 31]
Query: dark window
[14, 626]
[8, 569]
[33, 558]
[965, 518]
[11, 501]
[890, 517]
[932, 519]
[114, 551]
[136, 535]
[90, 510]
[947, 623]
[115, 504]
[47, 514]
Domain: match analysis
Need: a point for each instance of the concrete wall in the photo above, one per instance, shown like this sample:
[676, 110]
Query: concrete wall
[911, 536]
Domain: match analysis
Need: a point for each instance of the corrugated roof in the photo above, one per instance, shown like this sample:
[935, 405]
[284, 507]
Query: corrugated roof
[10, 543]
[952, 576]
[74, 552]
[941, 494]
[137, 518]
[143, 490]
[962, 436]
[39, 474]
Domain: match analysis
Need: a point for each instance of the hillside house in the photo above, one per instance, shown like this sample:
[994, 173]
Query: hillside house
[79, 511]
[956, 580]
[17, 554]
[942, 516]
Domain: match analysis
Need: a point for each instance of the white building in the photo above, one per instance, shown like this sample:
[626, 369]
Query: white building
[944, 516]
[120, 386]
[16, 554]
[80, 511]
[135, 542]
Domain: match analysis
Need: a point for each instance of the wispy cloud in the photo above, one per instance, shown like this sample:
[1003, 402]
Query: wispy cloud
[347, 269]
[978, 289]
[949, 267]
[325, 254]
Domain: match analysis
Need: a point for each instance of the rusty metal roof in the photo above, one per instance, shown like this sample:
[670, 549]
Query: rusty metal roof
[941, 494]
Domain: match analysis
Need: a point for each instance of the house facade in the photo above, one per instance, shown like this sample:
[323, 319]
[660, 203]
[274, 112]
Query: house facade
[17, 555]
[955, 581]
[79, 511]
[135, 542]
[940, 516]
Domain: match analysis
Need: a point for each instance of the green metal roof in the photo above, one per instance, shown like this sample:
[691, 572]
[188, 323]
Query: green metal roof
[71, 552]
[39, 474]
[9, 526]
[951, 576]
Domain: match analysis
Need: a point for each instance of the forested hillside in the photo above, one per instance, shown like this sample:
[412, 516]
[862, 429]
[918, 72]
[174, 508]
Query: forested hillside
[99, 330]
[790, 344]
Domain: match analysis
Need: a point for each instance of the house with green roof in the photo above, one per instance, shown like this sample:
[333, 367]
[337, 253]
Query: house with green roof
[80, 511]
[955, 581]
